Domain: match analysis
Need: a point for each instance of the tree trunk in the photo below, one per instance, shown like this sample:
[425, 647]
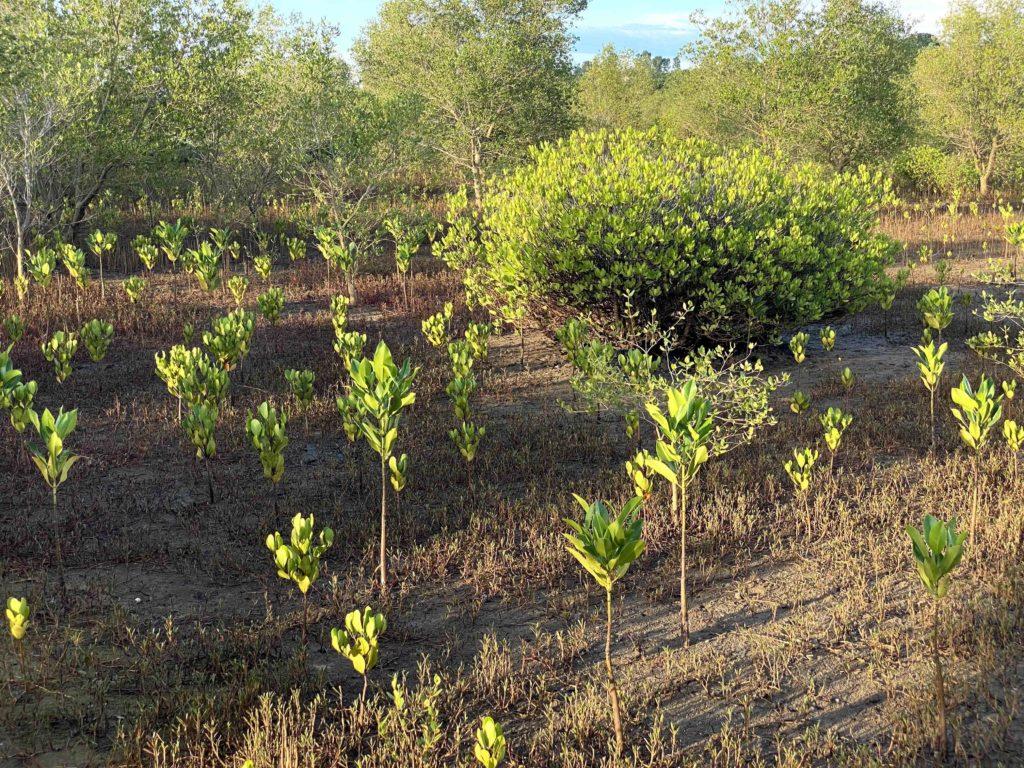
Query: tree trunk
[940, 687]
[613, 691]
[684, 614]
[383, 525]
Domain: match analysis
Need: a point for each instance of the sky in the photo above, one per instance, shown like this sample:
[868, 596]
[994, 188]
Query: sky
[659, 26]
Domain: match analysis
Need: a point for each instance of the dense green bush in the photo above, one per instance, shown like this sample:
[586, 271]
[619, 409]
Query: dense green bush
[928, 171]
[748, 243]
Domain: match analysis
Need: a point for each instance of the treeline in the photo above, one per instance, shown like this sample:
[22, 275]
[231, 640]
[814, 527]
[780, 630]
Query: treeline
[842, 84]
[106, 103]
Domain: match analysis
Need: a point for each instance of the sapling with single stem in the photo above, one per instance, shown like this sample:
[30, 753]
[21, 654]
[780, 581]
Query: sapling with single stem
[18, 613]
[847, 379]
[606, 545]
[349, 346]
[298, 559]
[834, 423]
[936, 308]
[798, 346]
[200, 424]
[59, 349]
[146, 251]
[381, 390]
[100, 244]
[266, 430]
[134, 287]
[800, 470]
[930, 364]
[435, 327]
[171, 238]
[301, 385]
[1013, 433]
[97, 335]
[74, 262]
[296, 248]
[828, 338]
[799, 402]
[21, 287]
[14, 327]
[20, 400]
[238, 285]
[685, 431]
[41, 265]
[271, 304]
[339, 315]
[490, 747]
[938, 549]
[359, 641]
[977, 411]
[54, 461]
[263, 265]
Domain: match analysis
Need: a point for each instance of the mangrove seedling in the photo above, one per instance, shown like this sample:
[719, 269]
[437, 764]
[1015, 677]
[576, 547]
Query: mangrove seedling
[490, 747]
[146, 251]
[685, 431]
[798, 346]
[800, 467]
[134, 287]
[834, 423]
[41, 265]
[17, 613]
[435, 327]
[20, 399]
[171, 238]
[930, 363]
[977, 412]
[359, 641]
[847, 379]
[54, 461]
[936, 308]
[298, 559]
[59, 350]
[266, 431]
[301, 385]
[238, 285]
[381, 390]
[263, 266]
[606, 546]
[100, 244]
[828, 338]
[200, 424]
[97, 334]
[349, 345]
[799, 402]
[74, 262]
[339, 314]
[14, 328]
[938, 549]
[271, 304]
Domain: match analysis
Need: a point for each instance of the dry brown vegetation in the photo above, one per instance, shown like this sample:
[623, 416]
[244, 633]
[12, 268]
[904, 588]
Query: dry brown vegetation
[179, 645]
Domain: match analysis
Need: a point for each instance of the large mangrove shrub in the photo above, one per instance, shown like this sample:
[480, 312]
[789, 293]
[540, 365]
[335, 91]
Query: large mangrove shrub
[726, 244]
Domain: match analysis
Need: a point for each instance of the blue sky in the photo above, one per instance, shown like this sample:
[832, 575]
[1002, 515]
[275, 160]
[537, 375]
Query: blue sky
[659, 26]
